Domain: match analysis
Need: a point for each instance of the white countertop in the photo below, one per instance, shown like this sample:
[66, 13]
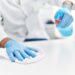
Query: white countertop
[59, 60]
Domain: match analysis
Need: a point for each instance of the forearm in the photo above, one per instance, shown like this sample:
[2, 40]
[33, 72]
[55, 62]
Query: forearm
[3, 37]
[3, 42]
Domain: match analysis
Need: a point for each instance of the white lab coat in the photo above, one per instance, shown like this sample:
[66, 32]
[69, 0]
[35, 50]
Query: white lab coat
[19, 18]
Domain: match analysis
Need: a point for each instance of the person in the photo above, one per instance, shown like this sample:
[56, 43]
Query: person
[19, 23]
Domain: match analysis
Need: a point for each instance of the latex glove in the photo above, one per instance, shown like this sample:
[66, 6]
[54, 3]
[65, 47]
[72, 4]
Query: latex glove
[63, 18]
[65, 32]
[18, 51]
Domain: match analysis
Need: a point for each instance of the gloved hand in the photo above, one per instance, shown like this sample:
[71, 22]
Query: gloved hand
[63, 20]
[18, 51]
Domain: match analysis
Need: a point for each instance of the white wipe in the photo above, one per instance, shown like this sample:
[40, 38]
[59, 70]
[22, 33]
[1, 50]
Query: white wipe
[40, 55]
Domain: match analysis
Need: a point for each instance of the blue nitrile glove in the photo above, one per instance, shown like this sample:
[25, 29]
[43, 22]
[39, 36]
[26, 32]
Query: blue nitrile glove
[18, 51]
[64, 20]
[67, 31]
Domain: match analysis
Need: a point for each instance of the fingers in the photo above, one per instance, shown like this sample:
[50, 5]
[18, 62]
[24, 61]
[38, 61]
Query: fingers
[66, 21]
[35, 50]
[63, 22]
[24, 55]
[66, 31]
[11, 56]
[21, 54]
[30, 53]
[70, 20]
[18, 55]
[59, 15]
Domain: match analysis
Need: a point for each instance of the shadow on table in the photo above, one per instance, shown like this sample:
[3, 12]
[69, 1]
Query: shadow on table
[3, 58]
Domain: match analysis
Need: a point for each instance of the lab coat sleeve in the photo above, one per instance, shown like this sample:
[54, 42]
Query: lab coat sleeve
[2, 32]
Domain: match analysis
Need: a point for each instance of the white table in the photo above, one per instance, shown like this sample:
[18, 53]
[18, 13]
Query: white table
[59, 60]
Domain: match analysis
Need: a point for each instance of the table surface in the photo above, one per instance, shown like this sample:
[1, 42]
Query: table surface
[59, 60]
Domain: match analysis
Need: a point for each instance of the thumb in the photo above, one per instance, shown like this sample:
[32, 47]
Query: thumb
[58, 17]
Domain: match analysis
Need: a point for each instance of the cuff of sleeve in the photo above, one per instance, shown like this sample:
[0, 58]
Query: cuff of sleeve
[2, 34]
